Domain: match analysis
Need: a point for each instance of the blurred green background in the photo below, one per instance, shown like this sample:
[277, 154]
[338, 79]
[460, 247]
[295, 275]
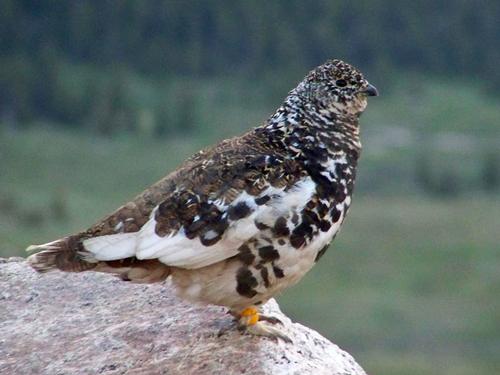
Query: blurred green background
[99, 99]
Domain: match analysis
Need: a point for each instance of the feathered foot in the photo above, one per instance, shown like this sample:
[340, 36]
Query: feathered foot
[254, 323]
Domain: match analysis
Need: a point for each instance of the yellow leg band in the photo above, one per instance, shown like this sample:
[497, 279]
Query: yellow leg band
[250, 316]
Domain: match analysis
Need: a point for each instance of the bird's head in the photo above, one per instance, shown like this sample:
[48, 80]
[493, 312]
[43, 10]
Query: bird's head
[338, 87]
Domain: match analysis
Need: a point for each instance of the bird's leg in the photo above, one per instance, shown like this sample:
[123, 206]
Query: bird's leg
[253, 323]
[262, 317]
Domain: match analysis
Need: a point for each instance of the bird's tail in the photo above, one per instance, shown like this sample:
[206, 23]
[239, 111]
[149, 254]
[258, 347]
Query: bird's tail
[63, 254]
[68, 254]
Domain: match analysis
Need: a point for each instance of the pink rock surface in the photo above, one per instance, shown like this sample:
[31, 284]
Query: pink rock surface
[90, 323]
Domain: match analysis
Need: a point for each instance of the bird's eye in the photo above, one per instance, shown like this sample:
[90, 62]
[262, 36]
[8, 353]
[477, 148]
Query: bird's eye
[341, 83]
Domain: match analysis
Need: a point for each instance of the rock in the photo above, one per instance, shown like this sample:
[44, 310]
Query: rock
[90, 323]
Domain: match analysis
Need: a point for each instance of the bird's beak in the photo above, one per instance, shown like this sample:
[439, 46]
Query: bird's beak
[370, 90]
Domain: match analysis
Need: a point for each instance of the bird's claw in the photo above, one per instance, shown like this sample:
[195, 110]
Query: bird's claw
[266, 330]
[269, 319]
[252, 322]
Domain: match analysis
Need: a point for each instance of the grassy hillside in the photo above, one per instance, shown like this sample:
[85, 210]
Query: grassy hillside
[410, 285]
[411, 279]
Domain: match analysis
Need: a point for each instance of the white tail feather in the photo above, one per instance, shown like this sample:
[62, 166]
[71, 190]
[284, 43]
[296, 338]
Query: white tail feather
[111, 247]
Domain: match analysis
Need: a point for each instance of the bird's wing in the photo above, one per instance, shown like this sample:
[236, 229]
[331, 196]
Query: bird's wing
[216, 207]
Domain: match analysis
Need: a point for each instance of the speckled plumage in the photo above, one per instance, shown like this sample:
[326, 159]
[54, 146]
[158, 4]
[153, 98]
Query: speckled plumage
[238, 222]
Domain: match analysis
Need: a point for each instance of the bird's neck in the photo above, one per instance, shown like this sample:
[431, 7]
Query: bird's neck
[303, 126]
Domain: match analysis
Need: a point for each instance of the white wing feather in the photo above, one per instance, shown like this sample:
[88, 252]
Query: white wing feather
[179, 251]
[111, 247]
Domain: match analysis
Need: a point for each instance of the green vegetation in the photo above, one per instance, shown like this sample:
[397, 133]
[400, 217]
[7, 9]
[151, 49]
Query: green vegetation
[98, 99]
[408, 287]
[105, 66]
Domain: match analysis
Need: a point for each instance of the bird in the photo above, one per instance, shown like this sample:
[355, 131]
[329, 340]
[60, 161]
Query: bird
[238, 222]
